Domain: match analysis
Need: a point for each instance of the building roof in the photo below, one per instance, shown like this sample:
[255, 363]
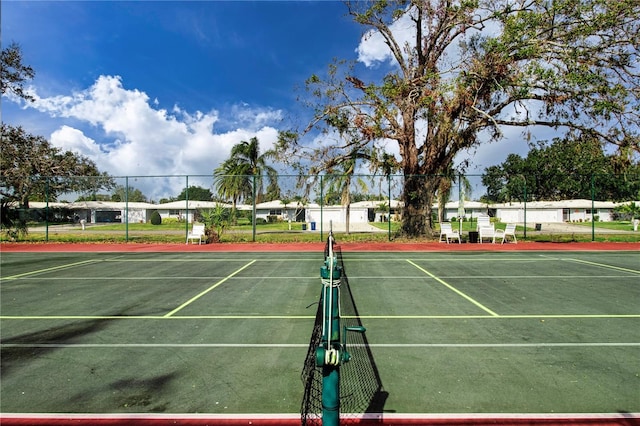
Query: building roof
[374, 204]
[564, 204]
[192, 205]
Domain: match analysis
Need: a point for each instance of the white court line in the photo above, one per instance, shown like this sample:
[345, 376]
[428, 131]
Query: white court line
[196, 297]
[150, 317]
[483, 277]
[291, 317]
[53, 268]
[351, 278]
[305, 345]
[210, 277]
[224, 259]
[604, 265]
[452, 288]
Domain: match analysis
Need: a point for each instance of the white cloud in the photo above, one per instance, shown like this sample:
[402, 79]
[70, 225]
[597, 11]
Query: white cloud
[372, 47]
[144, 140]
[70, 139]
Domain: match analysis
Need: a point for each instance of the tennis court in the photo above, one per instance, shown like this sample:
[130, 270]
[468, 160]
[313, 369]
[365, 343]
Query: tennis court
[221, 337]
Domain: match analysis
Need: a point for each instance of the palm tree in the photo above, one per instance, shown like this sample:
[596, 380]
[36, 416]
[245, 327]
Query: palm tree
[341, 183]
[444, 190]
[241, 175]
[231, 186]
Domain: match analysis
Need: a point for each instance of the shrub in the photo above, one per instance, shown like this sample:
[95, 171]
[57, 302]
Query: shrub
[273, 218]
[155, 218]
[211, 236]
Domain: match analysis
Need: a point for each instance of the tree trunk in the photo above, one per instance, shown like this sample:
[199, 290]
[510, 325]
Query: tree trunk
[348, 217]
[417, 197]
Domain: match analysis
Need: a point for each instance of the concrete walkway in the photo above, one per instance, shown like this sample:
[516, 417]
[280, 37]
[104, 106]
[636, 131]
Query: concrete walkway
[571, 228]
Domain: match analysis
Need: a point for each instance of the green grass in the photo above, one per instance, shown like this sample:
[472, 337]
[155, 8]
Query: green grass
[279, 233]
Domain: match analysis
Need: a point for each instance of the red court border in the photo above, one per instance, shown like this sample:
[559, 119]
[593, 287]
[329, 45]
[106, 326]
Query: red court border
[622, 419]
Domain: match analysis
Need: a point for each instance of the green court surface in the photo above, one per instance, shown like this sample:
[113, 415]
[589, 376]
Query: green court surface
[225, 333]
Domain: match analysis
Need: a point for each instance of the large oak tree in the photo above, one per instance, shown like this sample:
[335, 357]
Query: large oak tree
[30, 167]
[13, 73]
[468, 70]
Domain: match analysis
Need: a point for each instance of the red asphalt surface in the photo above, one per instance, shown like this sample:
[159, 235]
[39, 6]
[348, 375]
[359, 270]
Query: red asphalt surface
[272, 420]
[621, 419]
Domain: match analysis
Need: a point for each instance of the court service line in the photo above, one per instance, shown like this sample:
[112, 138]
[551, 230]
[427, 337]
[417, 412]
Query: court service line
[376, 278]
[53, 268]
[216, 260]
[483, 277]
[604, 265]
[306, 317]
[452, 288]
[503, 317]
[150, 317]
[196, 297]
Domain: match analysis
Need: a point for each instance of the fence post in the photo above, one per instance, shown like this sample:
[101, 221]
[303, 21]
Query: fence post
[253, 219]
[593, 195]
[525, 207]
[460, 204]
[389, 218]
[186, 218]
[126, 208]
[321, 204]
[46, 210]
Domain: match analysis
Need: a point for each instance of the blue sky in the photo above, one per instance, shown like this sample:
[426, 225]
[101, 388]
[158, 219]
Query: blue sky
[155, 88]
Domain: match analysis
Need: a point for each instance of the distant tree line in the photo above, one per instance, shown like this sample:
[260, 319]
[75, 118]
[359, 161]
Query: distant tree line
[565, 169]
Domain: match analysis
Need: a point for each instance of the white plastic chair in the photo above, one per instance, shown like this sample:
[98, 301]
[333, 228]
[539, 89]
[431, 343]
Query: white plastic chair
[483, 221]
[510, 230]
[197, 232]
[487, 232]
[448, 233]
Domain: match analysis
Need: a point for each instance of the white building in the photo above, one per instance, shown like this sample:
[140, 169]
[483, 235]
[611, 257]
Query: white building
[538, 211]
[361, 212]
[557, 211]
[102, 211]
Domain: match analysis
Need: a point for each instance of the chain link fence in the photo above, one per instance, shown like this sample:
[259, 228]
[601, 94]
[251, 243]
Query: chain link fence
[302, 208]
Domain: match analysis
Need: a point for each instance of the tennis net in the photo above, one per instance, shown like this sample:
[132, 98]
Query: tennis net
[361, 388]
